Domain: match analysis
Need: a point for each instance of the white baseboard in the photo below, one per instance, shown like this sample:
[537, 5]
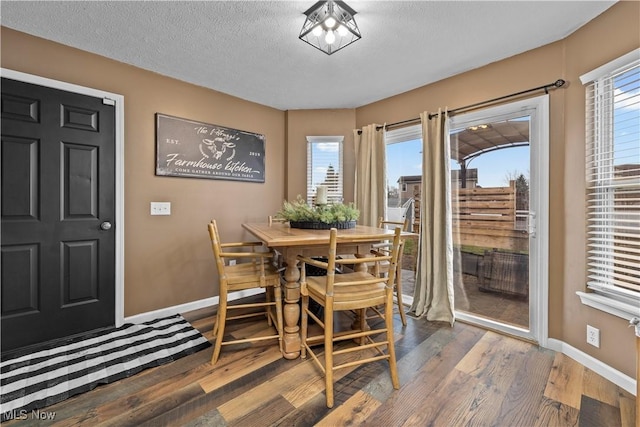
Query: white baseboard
[190, 306]
[606, 371]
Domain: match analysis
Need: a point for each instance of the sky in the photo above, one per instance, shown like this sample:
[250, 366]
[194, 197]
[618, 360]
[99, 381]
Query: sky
[405, 158]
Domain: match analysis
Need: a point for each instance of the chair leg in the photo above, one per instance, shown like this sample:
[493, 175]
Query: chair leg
[304, 321]
[403, 317]
[267, 298]
[388, 320]
[279, 316]
[216, 323]
[328, 352]
[363, 326]
[222, 318]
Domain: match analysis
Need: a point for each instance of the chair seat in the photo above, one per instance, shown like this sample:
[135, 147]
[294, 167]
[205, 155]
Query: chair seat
[351, 298]
[239, 275]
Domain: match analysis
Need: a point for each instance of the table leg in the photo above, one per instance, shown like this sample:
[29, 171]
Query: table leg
[291, 342]
[360, 322]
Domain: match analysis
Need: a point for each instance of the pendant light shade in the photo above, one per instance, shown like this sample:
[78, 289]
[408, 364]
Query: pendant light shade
[330, 26]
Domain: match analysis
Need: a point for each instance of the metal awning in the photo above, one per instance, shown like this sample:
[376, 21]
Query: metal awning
[471, 142]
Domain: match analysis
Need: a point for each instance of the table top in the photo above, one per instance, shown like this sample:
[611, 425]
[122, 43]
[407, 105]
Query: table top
[282, 235]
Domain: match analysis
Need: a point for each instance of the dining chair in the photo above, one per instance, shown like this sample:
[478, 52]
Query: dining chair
[384, 249]
[256, 272]
[349, 291]
[276, 219]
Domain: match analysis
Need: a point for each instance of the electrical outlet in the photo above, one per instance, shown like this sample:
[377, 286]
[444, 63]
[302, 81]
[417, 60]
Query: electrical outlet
[232, 262]
[160, 208]
[593, 336]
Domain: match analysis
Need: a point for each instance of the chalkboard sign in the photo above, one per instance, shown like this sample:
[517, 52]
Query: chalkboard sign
[201, 150]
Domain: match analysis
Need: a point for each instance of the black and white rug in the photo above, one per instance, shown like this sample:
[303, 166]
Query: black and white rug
[44, 377]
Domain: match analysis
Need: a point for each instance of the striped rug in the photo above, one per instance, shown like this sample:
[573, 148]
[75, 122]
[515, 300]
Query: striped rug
[47, 376]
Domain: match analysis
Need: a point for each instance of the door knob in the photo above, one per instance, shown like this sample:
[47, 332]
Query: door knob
[105, 225]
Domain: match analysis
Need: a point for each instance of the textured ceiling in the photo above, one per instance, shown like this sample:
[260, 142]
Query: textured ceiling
[250, 49]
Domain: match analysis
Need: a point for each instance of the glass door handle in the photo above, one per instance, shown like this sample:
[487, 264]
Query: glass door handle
[532, 224]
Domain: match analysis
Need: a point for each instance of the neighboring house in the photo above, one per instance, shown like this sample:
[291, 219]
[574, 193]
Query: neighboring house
[409, 185]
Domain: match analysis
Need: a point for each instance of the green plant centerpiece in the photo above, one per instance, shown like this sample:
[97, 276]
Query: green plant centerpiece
[321, 217]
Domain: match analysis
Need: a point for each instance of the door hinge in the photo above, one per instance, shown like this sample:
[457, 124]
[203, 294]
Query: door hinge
[108, 101]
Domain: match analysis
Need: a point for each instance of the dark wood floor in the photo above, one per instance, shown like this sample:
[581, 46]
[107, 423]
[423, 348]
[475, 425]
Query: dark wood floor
[450, 376]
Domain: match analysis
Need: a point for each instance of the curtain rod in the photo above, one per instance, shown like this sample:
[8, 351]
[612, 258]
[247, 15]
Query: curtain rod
[558, 83]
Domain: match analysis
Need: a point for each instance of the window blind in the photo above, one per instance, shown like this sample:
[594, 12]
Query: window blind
[613, 178]
[324, 167]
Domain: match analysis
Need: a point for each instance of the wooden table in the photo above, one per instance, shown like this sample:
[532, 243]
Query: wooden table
[292, 242]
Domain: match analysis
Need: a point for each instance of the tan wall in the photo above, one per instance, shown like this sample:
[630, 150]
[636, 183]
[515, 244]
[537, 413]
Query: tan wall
[610, 35]
[168, 260]
[303, 123]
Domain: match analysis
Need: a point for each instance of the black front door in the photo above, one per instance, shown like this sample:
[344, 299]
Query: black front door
[58, 212]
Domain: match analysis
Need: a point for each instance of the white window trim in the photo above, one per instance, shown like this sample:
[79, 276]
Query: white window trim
[609, 303]
[610, 67]
[616, 301]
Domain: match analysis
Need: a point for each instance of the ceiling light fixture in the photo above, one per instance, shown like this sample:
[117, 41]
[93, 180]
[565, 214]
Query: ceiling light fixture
[330, 26]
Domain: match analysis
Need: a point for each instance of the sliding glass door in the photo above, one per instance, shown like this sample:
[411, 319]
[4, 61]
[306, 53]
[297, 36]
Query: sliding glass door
[499, 182]
[499, 198]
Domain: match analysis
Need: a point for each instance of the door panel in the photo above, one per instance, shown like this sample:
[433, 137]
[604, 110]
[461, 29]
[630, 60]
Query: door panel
[80, 188]
[20, 174]
[19, 279]
[58, 186]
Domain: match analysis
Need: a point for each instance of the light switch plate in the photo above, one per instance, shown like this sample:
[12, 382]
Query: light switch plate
[160, 208]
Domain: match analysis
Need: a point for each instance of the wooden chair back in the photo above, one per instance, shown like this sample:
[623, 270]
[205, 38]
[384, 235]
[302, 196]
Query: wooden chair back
[383, 249]
[382, 223]
[216, 245]
[275, 219]
[358, 291]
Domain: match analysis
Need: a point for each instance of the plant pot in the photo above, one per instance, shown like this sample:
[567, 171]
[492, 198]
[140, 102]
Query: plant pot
[317, 225]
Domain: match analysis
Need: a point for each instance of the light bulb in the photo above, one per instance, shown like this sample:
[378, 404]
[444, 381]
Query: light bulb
[330, 37]
[317, 31]
[330, 22]
[342, 30]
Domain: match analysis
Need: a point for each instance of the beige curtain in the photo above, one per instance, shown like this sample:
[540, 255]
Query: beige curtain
[370, 190]
[433, 296]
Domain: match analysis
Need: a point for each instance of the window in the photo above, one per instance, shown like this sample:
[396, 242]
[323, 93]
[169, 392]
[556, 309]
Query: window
[613, 186]
[404, 170]
[324, 167]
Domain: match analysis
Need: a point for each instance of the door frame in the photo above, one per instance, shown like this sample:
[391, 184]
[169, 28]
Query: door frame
[538, 109]
[118, 101]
